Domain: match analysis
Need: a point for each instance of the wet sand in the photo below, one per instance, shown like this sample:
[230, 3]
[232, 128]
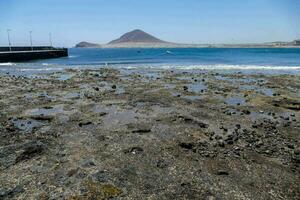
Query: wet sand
[109, 134]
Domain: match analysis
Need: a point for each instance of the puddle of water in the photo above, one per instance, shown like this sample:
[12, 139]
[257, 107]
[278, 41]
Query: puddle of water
[29, 96]
[65, 77]
[114, 116]
[192, 98]
[120, 91]
[234, 80]
[152, 75]
[184, 78]
[197, 88]
[72, 95]
[51, 111]
[169, 86]
[120, 118]
[231, 112]
[159, 109]
[248, 87]
[25, 124]
[256, 116]
[46, 96]
[234, 101]
[176, 94]
[266, 91]
[126, 78]
[63, 119]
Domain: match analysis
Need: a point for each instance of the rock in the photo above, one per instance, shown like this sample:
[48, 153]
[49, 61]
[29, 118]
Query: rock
[72, 172]
[296, 158]
[142, 130]
[185, 88]
[81, 124]
[89, 163]
[254, 126]
[185, 145]
[203, 125]
[222, 173]
[9, 194]
[161, 164]
[31, 150]
[114, 87]
[297, 151]
[221, 143]
[101, 176]
[246, 112]
[290, 146]
[230, 142]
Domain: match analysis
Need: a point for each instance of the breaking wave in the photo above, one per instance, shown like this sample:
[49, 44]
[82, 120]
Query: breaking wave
[7, 64]
[218, 66]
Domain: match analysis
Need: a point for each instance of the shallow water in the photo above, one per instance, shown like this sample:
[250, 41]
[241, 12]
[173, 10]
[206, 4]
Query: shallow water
[26, 125]
[197, 88]
[235, 100]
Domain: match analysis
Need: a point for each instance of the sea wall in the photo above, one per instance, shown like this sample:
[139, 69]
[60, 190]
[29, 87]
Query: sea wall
[26, 48]
[26, 53]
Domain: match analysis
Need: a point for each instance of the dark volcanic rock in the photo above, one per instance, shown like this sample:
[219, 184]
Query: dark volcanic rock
[31, 150]
[222, 172]
[185, 145]
[16, 153]
[8, 194]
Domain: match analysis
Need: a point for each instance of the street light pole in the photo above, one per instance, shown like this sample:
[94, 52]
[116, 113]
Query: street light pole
[8, 37]
[50, 39]
[30, 34]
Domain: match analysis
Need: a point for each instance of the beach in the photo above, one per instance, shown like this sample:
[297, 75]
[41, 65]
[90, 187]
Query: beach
[150, 134]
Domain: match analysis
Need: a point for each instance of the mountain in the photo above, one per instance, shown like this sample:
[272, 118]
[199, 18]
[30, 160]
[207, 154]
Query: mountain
[137, 36]
[87, 45]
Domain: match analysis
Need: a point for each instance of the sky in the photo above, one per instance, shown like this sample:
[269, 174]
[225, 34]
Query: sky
[182, 21]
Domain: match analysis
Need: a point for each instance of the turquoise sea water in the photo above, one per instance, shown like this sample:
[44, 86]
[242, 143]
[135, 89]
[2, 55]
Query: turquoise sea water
[257, 60]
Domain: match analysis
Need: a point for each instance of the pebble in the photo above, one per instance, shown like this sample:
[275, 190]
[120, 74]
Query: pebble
[134, 150]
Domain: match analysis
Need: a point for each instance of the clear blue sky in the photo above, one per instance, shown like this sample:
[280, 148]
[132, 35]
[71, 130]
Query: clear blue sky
[185, 21]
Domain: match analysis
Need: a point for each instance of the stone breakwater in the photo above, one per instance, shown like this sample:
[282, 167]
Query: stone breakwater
[18, 54]
[102, 134]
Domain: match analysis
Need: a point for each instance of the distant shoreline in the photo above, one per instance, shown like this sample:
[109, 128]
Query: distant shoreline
[187, 46]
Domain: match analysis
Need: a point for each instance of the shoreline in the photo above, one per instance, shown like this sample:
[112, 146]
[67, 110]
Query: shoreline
[109, 133]
[191, 46]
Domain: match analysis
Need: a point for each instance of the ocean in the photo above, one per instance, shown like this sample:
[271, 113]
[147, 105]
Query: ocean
[252, 60]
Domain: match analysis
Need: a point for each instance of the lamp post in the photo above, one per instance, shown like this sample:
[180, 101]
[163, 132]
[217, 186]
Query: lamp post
[30, 35]
[8, 37]
[50, 39]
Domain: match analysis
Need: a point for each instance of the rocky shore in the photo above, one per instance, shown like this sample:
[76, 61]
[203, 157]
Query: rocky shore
[149, 134]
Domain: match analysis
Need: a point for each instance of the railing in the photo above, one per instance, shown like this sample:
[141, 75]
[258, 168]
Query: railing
[28, 48]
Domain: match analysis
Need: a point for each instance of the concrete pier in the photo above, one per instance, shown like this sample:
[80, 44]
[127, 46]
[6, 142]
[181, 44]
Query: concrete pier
[18, 54]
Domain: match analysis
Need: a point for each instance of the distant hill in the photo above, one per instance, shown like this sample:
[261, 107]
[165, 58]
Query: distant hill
[136, 36]
[140, 39]
[87, 45]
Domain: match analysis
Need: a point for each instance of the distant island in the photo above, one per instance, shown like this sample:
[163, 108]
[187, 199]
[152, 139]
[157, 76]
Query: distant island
[140, 39]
